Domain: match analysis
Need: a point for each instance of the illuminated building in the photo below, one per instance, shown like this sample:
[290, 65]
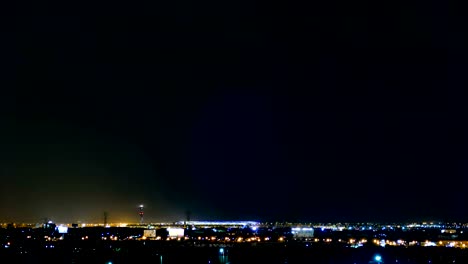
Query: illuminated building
[141, 213]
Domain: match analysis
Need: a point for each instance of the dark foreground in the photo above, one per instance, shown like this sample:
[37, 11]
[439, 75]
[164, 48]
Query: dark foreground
[238, 253]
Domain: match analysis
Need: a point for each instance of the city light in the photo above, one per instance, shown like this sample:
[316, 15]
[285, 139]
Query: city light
[268, 233]
[378, 258]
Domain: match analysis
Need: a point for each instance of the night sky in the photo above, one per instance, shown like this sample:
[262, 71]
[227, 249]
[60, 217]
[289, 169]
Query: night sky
[234, 110]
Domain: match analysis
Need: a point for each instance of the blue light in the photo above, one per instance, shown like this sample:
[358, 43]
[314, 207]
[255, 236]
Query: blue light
[378, 258]
[221, 250]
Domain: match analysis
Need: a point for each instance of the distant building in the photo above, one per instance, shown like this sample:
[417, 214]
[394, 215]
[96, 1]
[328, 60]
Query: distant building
[218, 223]
[149, 233]
[49, 225]
[302, 232]
[175, 232]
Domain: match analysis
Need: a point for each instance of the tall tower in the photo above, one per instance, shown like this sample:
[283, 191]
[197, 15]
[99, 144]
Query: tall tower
[187, 215]
[105, 218]
[141, 213]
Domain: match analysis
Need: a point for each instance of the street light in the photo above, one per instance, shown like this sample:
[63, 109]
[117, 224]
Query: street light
[222, 257]
[378, 258]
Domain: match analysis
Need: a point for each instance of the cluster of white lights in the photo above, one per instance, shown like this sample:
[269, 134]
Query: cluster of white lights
[237, 223]
[303, 229]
